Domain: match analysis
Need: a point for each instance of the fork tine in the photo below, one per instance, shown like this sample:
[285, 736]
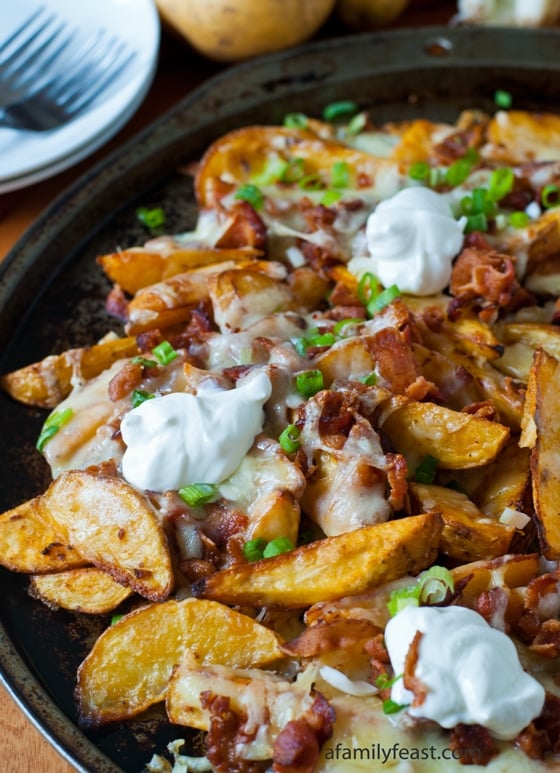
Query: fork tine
[21, 29]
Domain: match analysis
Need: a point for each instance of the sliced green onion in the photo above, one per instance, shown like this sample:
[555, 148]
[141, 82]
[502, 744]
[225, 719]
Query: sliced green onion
[277, 546]
[357, 123]
[309, 382]
[383, 299]
[253, 549]
[501, 183]
[330, 197]
[250, 193]
[337, 110]
[458, 171]
[313, 338]
[115, 619]
[349, 322]
[272, 172]
[436, 177]
[403, 597]
[368, 287]
[144, 361]
[426, 470]
[140, 396]
[390, 707]
[294, 171]
[340, 174]
[420, 170]
[153, 219]
[435, 584]
[370, 379]
[478, 222]
[550, 196]
[164, 353]
[503, 98]
[519, 219]
[52, 425]
[289, 439]
[384, 681]
[311, 182]
[296, 121]
[198, 494]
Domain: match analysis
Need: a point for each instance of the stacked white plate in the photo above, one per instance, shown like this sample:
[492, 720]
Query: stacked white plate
[28, 157]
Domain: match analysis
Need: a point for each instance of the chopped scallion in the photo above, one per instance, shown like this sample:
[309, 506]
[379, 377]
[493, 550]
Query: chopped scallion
[52, 425]
[296, 121]
[294, 171]
[370, 379]
[550, 196]
[144, 361]
[311, 182]
[140, 396]
[253, 549]
[390, 707]
[343, 323]
[250, 193]
[164, 353]
[368, 287]
[277, 546]
[503, 98]
[153, 219]
[426, 470]
[198, 494]
[501, 183]
[477, 222]
[343, 109]
[435, 584]
[383, 299]
[340, 174]
[289, 439]
[519, 219]
[330, 197]
[357, 123]
[420, 171]
[273, 171]
[309, 382]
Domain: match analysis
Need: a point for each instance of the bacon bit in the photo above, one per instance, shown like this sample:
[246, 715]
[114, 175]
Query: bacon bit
[321, 259]
[128, 378]
[397, 478]
[297, 747]
[474, 744]
[247, 228]
[222, 736]
[410, 681]
[329, 635]
[116, 303]
[196, 568]
[337, 417]
[421, 388]
[492, 605]
[377, 652]
[547, 641]
[483, 409]
[455, 145]
[542, 735]
[540, 586]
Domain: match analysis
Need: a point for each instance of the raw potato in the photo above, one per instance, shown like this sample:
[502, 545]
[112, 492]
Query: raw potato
[114, 527]
[91, 591]
[330, 568]
[229, 32]
[130, 664]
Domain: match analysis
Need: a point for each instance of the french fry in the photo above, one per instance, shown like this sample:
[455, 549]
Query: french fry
[467, 534]
[30, 543]
[89, 590]
[329, 568]
[541, 433]
[130, 664]
[113, 527]
[457, 440]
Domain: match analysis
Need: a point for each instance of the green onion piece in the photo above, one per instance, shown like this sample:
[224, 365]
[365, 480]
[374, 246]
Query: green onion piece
[140, 396]
[342, 323]
[390, 707]
[384, 681]
[330, 197]
[420, 170]
[370, 379]
[477, 222]
[311, 182]
[277, 546]
[550, 196]
[337, 110]
[52, 425]
[296, 121]
[501, 183]
[503, 98]
[435, 583]
[272, 172]
[144, 361]
[458, 171]
[357, 123]
[436, 177]
[519, 219]
[251, 194]
[198, 494]
[321, 339]
[253, 549]
[383, 299]
[340, 174]
[153, 219]
[309, 382]
[294, 171]
[164, 353]
[426, 470]
[115, 619]
[368, 287]
[403, 597]
[300, 345]
[289, 442]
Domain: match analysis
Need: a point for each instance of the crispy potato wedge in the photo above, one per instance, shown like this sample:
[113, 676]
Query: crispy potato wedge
[114, 527]
[506, 483]
[458, 440]
[49, 381]
[329, 568]
[467, 534]
[30, 543]
[541, 432]
[535, 335]
[130, 664]
[89, 590]
[516, 136]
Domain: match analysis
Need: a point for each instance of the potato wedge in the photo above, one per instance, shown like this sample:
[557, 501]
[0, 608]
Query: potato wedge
[91, 591]
[30, 543]
[541, 432]
[467, 534]
[458, 440]
[130, 664]
[516, 136]
[329, 568]
[114, 527]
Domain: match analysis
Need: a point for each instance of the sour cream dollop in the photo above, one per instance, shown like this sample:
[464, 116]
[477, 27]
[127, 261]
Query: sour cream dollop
[412, 239]
[471, 671]
[180, 438]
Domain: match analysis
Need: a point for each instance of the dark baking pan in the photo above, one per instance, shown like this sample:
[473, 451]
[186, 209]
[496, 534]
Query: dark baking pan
[52, 292]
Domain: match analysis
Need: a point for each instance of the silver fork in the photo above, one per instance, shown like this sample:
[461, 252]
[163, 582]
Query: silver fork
[28, 53]
[87, 71]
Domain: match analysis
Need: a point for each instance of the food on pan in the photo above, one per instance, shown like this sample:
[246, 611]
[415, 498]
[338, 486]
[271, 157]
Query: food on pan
[313, 472]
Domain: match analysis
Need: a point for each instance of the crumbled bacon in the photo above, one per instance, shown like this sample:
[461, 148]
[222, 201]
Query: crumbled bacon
[547, 641]
[226, 727]
[246, 229]
[329, 635]
[492, 605]
[116, 303]
[473, 743]
[128, 378]
[379, 661]
[298, 745]
[410, 681]
[542, 735]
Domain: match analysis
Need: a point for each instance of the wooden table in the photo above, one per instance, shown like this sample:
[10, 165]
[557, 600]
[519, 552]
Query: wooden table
[22, 748]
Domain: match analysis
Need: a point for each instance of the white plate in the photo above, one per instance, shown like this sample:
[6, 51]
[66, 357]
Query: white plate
[27, 157]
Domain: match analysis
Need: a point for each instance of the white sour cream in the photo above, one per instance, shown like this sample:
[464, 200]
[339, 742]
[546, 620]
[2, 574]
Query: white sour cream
[471, 671]
[412, 239]
[181, 438]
